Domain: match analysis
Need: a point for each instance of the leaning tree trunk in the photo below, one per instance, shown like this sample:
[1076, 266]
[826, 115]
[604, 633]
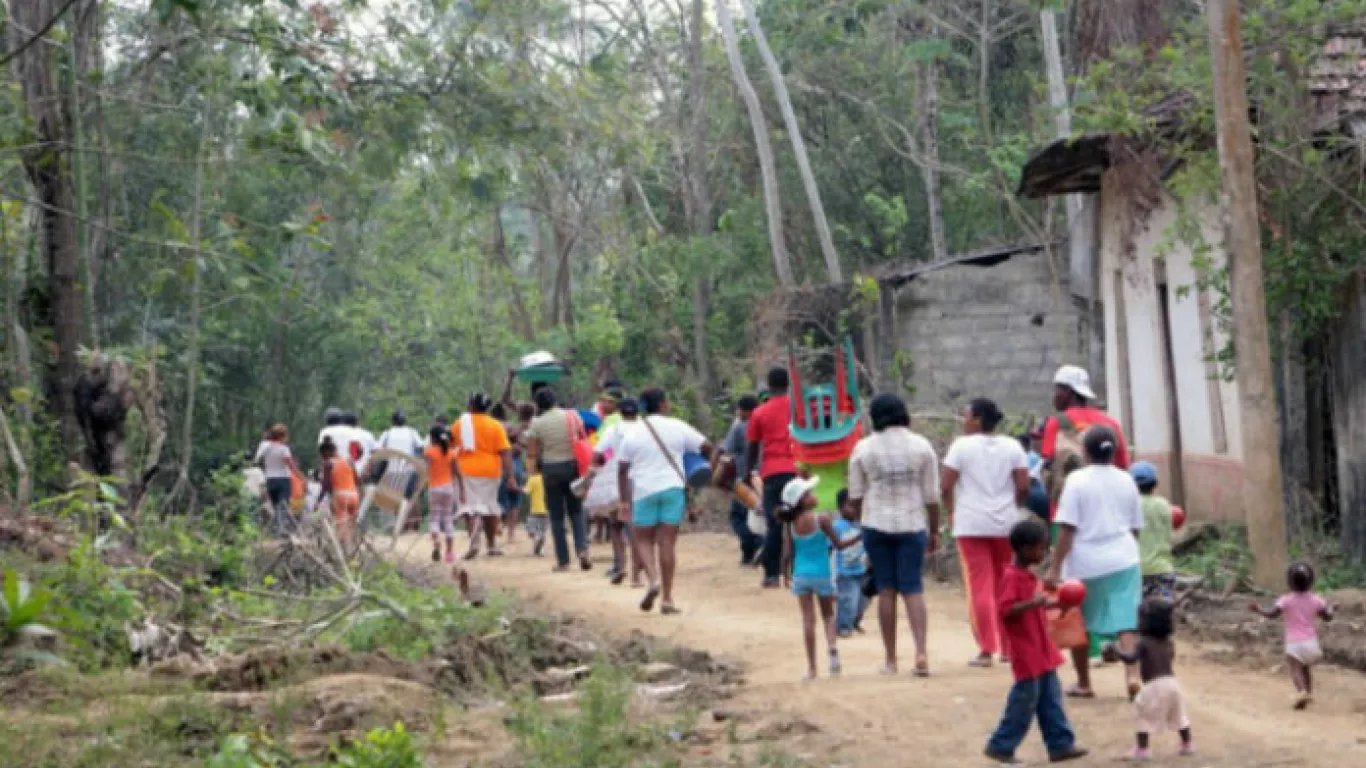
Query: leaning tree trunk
[701, 213]
[794, 132]
[48, 167]
[773, 206]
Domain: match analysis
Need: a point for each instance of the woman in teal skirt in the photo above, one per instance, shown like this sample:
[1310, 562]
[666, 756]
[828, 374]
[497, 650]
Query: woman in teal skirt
[1099, 517]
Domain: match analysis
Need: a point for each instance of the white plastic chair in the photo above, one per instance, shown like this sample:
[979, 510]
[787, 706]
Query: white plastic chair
[389, 494]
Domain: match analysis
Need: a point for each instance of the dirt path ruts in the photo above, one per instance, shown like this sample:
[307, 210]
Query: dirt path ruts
[1241, 718]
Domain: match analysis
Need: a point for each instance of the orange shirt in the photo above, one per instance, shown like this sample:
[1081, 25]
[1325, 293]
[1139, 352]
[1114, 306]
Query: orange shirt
[490, 439]
[439, 472]
[343, 476]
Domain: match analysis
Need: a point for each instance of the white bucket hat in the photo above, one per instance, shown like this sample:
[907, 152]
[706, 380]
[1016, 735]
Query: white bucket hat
[1075, 379]
[796, 489]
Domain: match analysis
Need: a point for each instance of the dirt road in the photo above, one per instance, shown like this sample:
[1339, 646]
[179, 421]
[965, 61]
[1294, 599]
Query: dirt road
[1241, 717]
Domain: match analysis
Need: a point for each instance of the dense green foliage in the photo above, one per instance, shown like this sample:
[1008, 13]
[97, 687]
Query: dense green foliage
[384, 205]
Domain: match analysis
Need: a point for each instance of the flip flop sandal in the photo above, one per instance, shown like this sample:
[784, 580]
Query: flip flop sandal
[669, 610]
[922, 667]
[981, 662]
[648, 603]
[887, 669]
[495, 553]
[617, 578]
[471, 554]
[1080, 693]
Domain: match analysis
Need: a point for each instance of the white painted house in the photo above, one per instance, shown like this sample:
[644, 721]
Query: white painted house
[1162, 382]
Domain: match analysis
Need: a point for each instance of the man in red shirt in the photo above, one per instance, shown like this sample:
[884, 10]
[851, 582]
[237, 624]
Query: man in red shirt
[1072, 396]
[770, 436]
[1034, 660]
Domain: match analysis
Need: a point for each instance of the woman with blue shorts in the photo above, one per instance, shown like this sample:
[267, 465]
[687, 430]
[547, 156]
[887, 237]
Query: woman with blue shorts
[894, 480]
[650, 476]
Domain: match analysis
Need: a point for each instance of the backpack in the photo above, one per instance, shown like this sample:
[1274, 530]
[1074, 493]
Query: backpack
[1068, 456]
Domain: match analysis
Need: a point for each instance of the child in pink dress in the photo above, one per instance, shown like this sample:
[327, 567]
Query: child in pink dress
[1299, 608]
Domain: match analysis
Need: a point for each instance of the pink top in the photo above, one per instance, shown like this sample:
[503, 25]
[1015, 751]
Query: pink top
[1300, 611]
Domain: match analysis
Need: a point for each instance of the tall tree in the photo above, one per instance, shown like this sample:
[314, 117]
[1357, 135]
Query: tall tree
[48, 163]
[794, 133]
[773, 208]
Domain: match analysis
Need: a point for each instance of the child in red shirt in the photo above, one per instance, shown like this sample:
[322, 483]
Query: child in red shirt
[1034, 659]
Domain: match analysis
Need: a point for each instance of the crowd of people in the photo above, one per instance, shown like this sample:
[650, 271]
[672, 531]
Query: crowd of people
[1028, 514]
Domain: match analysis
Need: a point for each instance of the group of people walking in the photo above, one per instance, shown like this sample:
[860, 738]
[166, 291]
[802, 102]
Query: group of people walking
[1093, 518]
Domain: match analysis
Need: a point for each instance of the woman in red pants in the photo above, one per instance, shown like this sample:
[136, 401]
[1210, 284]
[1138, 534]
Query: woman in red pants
[986, 481]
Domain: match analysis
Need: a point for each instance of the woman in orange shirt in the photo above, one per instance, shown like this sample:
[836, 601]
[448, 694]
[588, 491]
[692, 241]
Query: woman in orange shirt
[443, 474]
[339, 480]
[485, 464]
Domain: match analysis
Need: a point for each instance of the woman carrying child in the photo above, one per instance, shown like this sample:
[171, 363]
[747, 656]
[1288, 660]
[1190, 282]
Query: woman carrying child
[1300, 608]
[807, 539]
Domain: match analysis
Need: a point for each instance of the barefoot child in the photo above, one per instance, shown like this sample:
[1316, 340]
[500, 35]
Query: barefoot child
[807, 538]
[849, 600]
[1299, 608]
[441, 490]
[1160, 704]
[1034, 660]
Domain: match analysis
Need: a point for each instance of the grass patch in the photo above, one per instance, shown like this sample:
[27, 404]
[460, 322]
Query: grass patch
[598, 734]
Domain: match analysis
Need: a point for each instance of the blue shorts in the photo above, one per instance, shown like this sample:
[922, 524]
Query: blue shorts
[820, 586]
[896, 559]
[663, 508]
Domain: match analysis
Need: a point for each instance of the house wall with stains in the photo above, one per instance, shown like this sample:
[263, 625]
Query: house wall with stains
[1161, 334]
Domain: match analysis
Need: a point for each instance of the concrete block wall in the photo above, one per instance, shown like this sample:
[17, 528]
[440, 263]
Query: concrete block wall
[997, 332]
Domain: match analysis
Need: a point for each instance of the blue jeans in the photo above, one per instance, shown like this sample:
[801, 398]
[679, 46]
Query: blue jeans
[1040, 697]
[850, 602]
[739, 522]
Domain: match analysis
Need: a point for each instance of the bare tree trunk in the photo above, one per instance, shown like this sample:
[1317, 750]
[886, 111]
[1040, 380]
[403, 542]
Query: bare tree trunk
[78, 57]
[701, 211]
[24, 493]
[49, 169]
[773, 207]
[196, 300]
[794, 132]
[1263, 500]
[521, 317]
[929, 169]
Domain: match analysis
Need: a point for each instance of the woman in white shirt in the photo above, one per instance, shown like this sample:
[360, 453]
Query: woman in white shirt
[986, 479]
[650, 477]
[278, 463]
[1099, 518]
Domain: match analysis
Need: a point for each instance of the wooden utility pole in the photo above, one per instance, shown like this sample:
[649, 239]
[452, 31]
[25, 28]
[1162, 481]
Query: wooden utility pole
[1263, 500]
